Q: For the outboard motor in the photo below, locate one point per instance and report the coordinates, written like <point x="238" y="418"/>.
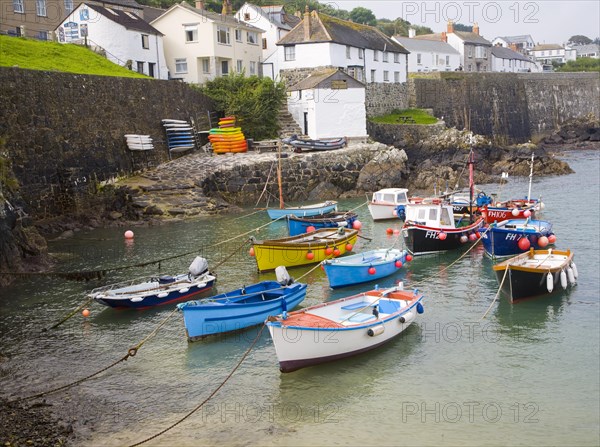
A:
<point x="283" y="277"/>
<point x="198" y="266"/>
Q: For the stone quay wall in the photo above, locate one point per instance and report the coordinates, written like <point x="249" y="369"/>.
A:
<point x="65" y="132"/>
<point x="509" y="107"/>
<point x="402" y="134"/>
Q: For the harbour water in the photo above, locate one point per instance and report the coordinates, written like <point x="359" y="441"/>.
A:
<point x="527" y="374"/>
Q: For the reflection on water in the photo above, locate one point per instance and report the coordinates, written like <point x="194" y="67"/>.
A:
<point x="520" y="354"/>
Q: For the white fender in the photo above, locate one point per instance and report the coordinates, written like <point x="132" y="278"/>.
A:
<point x="563" y="279"/>
<point x="184" y="290"/>
<point x="550" y="282"/>
<point x="574" y="267"/>
<point x="162" y="295"/>
<point x="570" y="276"/>
<point x="376" y="330"/>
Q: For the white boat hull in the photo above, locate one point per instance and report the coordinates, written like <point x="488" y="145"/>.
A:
<point x="382" y="211"/>
<point x="301" y="346"/>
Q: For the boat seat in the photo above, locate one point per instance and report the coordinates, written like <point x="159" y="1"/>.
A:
<point x="388" y="306"/>
<point x="361" y="318"/>
<point x="356" y="306"/>
<point x="371" y="259"/>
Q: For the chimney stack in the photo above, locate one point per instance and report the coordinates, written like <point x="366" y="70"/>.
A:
<point x="200" y="5"/>
<point x="412" y="33"/>
<point x="476" y="28"/>
<point x="444" y="36"/>
<point x="306" y="23"/>
<point x="450" y="28"/>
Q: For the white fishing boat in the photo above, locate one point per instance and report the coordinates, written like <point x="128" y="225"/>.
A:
<point x="384" y="202"/>
<point x="342" y="328"/>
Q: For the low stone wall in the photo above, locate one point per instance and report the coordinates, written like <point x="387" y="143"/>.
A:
<point x="402" y="134"/>
<point x="382" y="98"/>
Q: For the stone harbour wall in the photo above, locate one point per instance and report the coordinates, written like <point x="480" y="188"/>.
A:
<point x="509" y="107"/>
<point x="65" y="132"/>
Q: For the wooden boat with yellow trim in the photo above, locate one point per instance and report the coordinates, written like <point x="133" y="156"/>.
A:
<point x="303" y="249"/>
<point x="536" y="272"/>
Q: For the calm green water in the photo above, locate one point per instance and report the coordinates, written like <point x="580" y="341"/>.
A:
<point x="526" y="375"/>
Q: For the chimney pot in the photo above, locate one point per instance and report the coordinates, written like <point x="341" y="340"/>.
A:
<point x="476" y="28"/>
<point x="444" y="36"/>
<point x="450" y="28"/>
<point x="200" y="4"/>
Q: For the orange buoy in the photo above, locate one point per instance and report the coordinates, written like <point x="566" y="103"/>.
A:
<point x="349" y="247"/>
<point x="310" y="255"/>
<point x="336" y="252"/>
<point x="251" y="251"/>
<point x="357" y="224"/>
<point x="128" y="234"/>
<point x="85" y="312"/>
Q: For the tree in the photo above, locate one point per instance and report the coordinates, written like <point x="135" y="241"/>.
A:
<point x="254" y="101"/>
<point x="581" y="64"/>
<point x="461" y="27"/>
<point x="363" y="15"/>
<point x="579" y="40"/>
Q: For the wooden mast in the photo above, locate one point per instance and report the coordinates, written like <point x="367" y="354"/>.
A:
<point x="279" y="175"/>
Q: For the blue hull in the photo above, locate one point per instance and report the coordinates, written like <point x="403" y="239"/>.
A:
<point x="502" y="241"/>
<point x="275" y="213"/>
<point x="239" y="308"/>
<point x="354" y="269"/>
<point x="299" y="226"/>
<point x="154" y="300"/>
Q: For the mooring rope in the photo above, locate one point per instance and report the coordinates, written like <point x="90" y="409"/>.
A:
<point x="497" y="293"/>
<point x="453" y="262"/>
<point x="210" y="396"/>
<point x="92" y="274"/>
<point x="131" y="352"/>
<point x="69" y="315"/>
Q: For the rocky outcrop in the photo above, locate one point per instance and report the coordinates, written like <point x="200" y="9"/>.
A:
<point x="576" y="131"/>
<point x="22" y="248"/>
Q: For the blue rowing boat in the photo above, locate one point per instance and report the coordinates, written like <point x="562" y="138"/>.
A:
<point x="241" y="308"/>
<point x="515" y="236"/>
<point x="317" y="209"/>
<point x="300" y="225"/>
<point x="364" y="267"/>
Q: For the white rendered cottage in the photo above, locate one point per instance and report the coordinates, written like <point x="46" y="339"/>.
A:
<point x="362" y="51"/>
<point x="507" y="60"/>
<point x="201" y="45"/>
<point x="429" y="55"/>
<point x="329" y="104"/>
<point x="124" y="37"/>
<point x="276" y="23"/>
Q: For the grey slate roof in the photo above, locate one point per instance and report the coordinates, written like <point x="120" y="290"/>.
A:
<point x="320" y="76"/>
<point x="516" y="39"/>
<point x="425" y="45"/>
<point x="590" y="48"/>
<point x="289" y="21"/>
<point x="325" y="28"/>
<point x="132" y="22"/>
<point x="127" y="3"/>
<point x="507" y="53"/>
<point x="469" y="37"/>
<point x="151" y="13"/>
<point x="547" y="46"/>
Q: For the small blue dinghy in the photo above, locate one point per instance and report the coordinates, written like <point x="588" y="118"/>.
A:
<point x="300" y="225"/>
<point x="243" y="307"/>
<point x="364" y="267"/>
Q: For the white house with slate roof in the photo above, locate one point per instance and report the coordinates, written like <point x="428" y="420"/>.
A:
<point x="362" y="51"/>
<point x="429" y="55"/>
<point x="329" y="104"/>
<point x="475" y="51"/>
<point x="201" y="45"/>
<point x="523" y="44"/>
<point x="509" y="61"/>
<point x="275" y="23"/>
<point x="124" y="37"/>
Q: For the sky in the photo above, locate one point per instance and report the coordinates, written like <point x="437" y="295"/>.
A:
<point x="546" y="21"/>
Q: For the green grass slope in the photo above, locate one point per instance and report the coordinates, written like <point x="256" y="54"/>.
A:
<point x="52" y="56"/>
